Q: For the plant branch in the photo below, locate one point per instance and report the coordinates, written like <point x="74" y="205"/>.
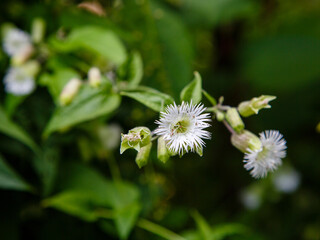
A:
<point x="158" y="230"/>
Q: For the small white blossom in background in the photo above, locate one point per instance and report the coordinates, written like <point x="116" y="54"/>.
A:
<point x="69" y="91"/>
<point x="94" y="76"/>
<point x="286" y="180"/>
<point x="17" y="42"/>
<point x="251" y="198"/>
<point x="182" y="127"/>
<point x="268" y="158"/>
<point x="18" y="82"/>
<point x="110" y="136"/>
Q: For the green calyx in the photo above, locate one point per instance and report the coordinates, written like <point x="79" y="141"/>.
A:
<point x="248" y="108"/>
<point x="136" y="138"/>
<point x="246" y="140"/>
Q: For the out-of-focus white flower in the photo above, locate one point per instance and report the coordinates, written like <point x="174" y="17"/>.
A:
<point x="250" y="198"/>
<point x="268" y="158"/>
<point x="17" y="42"/>
<point x="110" y="136"/>
<point x="18" y="82"/>
<point x="69" y="91"/>
<point x="286" y="180"/>
<point x="182" y="127"/>
<point x="94" y="77"/>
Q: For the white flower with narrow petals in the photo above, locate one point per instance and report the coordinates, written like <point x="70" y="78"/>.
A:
<point x="182" y="127"/>
<point x="16" y="42"/>
<point x="18" y="82"/>
<point x="268" y="158"/>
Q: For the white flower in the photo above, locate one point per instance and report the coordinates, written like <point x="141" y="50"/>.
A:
<point x="18" y="82"/>
<point x="16" y="42"/>
<point x="268" y="158"/>
<point x="182" y="127"/>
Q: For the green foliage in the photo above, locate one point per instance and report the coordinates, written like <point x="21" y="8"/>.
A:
<point x="146" y="51"/>
<point x="9" y="179"/>
<point x="89" y="104"/>
<point x="149" y="97"/>
<point x="87" y="194"/>
<point x="193" y="91"/>
<point x="11" y="129"/>
<point x="99" y="40"/>
<point x="176" y="46"/>
<point x="131" y="70"/>
<point x="56" y="81"/>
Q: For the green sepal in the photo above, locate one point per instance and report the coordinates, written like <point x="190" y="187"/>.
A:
<point x="136" y="138"/>
<point x="163" y="153"/>
<point x="143" y="155"/>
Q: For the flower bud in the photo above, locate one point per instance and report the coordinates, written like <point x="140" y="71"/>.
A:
<point x="143" y="155"/>
<point x="69" y="91"/>
<point x="94" y="77"/>
<point x="248" y="108"/>
<point x="234" y="119"/>
<point x="219" y="115"/>
<point x="38" y="30"/>
<point x="163" y="153"/>
<point x="136" y="138"/>
<point x="246" y="140"/>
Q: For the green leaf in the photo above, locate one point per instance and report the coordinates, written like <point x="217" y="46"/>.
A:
<point x="132" y="70"/>
<point x="193" y="90"/>
<point x="83" y="178"/>
<point x="225" y="230"/>
<point x="12" y="102"/>
<point x="89" y="104"/>
<point x="86" y="194"/>
<point x="11" y="129"/>
<point x="211" y="99"/>
<point x="149" y="97"/>
<point x="125" y="219"/>
<point x="56" y="81"/>
<point x="76" y="203"/>
<point x="96" y="39"/>
<point x="9" y="179"/>
<point x="202" y="225"/>
<point x="175" y="44"/>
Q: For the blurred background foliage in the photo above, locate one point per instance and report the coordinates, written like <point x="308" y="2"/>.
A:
<point x="69" y="184"/>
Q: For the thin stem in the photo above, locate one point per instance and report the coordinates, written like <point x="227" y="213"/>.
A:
<point x="228" y="127"/>
<point x="158" y="230"/>
<point x="114" y="168"/>
<point x="144" y="224"/>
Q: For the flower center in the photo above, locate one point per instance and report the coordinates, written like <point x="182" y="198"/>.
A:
<point x="180" y="126"/>
<point x="263" y="154"/>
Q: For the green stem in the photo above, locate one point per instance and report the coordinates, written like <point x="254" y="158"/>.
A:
<point x="114" y="168"/>
<point x="158" y="230"/>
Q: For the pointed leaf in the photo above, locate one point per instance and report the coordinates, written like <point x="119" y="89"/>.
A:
<point x="99" y="40"/>
<point x="11" y="129"/>
<point x="149" y="97"/>
<point x="9" y="179"/>
<point x="193" y="90"/>
<point x="88" y="104"/>
<point x="125" y="219"/>
<point x="202" y="225"/>
<point x="132" y="70"/>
